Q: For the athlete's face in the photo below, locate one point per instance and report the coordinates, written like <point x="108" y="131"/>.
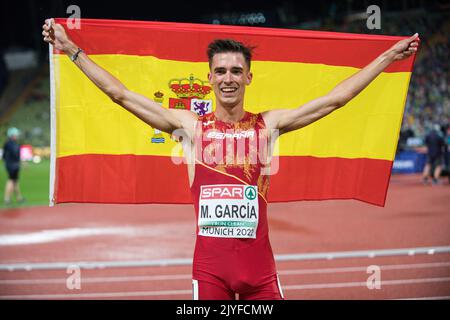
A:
<point x="229" y="74"/>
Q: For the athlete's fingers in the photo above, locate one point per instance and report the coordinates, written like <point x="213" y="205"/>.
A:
<point x="47" y="27"/>
<point x="48" y="23"/>
<point x="414" y="37"/>
<point x="48" y="40"/>
<point x="407" y="54"/>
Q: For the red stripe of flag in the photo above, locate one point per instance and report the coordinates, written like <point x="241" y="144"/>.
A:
<point x="155" y="179"/>
<point x="188" y="42"/>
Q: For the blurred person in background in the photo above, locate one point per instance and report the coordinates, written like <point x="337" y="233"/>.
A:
<point x="11" y="156"/>
<point x="405" y="133"/>
<point x="4" y="75"/>
<point x="435" y="151"/>
<point x="445" y="134"/>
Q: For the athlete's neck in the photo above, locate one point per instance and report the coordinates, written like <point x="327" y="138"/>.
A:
<point x="231" y="115"/>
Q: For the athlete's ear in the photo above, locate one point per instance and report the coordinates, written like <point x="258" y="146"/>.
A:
<point x="249" y="77"/>
<point x="209" y="77"/>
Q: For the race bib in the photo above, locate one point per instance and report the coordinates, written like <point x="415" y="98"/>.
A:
<point x="228" y="211"/>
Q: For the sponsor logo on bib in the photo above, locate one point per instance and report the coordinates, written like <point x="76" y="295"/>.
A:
<point x="228" y="211"/>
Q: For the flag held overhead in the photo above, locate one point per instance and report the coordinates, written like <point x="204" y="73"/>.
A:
<point x="104" y="154"/>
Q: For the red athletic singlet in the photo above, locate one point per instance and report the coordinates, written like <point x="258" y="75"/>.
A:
<point x="232" y="252"/>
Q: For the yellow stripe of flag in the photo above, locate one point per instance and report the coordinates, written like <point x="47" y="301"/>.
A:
<point x="362" y="129"/>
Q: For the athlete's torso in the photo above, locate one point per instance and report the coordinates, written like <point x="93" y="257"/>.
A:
<point x="230" y="199"/>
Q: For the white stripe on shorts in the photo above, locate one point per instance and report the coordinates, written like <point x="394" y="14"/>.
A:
<point x="194" y="289"/>
<point x="279" y="287"/>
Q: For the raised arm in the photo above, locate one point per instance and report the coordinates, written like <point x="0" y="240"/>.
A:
<point x="286" y="120"/>
<point x="147" y="110"/>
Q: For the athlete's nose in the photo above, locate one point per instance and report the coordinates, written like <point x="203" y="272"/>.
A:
<point x="227" y="79"/>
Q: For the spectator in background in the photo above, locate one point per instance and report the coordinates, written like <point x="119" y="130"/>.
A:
<point x="405" y="133"/>
<point x="11" y="156"/>
<point x="3" y="73"/>
<point x="435" y="150"/>
<point x="445" y="134"/>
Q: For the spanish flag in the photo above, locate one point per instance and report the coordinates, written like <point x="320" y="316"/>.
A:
<point x="103" y="154"/>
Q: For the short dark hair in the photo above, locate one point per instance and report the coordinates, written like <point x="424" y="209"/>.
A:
<point x="229" y="45"/>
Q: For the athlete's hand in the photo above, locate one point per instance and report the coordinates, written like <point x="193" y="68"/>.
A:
<point x="56" y="35"/>
<point x="405" y="48"/>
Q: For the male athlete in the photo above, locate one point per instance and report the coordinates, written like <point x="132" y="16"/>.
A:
<point x="232" y="252"/>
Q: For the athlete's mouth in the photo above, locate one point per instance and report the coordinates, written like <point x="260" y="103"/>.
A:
<point x="228" y="89"/>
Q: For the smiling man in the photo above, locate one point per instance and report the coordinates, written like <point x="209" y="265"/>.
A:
<point x="232" y="254"/>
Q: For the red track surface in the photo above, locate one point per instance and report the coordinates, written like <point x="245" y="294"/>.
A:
<point x="414" y="216"/>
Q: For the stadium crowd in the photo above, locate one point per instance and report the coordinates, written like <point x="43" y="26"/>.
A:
<point x="428" y="102"/>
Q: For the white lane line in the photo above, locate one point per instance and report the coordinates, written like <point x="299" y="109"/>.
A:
<point x="101" y="279"/>
<point x="364" y="253"/>
<point x="426" y="298"/>
<point x="99" y="295"/>
<point x="95" y="265"/>
<point x="188" y="262"/>
<point x="362" y="284"/>
<point x="189" y="276"/>
<point x="188" y="292"/>
<point x="46" y="236"/>
<point x="364" y="268"/>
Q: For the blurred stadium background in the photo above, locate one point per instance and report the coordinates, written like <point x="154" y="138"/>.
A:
<point x="24" y="83"/>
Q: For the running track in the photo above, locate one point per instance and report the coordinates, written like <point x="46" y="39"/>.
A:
<point x="323" y="248"/>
